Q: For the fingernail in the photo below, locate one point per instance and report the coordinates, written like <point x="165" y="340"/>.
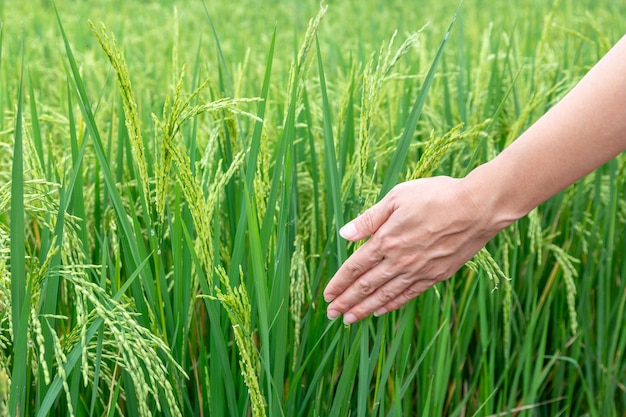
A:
<point x="348" y="231"/>
<point x="380" y="312"/>
<point x="332" y="314"/>
<point x="349" y="318"/>
<point x="329" y="297"/>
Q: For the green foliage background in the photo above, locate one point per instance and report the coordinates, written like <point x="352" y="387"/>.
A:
<point x="168" y="222"/>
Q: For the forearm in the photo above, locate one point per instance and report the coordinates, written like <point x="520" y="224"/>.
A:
<point x="583" y="131"/>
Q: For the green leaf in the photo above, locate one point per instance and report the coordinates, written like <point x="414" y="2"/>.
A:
<point x="20" y="289"/>
<point x="333" y="181"/>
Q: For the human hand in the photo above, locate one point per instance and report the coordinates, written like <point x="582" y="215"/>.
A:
<point x="420" y="233"/>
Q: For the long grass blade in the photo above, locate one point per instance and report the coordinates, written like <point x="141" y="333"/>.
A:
<point x="20" y="288"/>
<point x="333" y="181"/>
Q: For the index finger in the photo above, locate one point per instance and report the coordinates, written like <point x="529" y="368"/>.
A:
<point x="361" y="261"/>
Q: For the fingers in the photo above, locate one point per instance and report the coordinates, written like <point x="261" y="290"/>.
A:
<point x="368" y="255"/>
<point x="361" y="261"/>
<point x="366" y="284"/>
<point x="407" y="295"/>
<point x="386" y="298"/>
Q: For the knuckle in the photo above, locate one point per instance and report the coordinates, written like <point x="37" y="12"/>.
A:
<point x="388" y="274"/>
<point x="407" y="295"/>
<point x="354" y="269"/>
<point x="411" y="293"/>
<point x="386" y="295"/>
<point x="364" y="286"/>
<point x="407" y="280"/>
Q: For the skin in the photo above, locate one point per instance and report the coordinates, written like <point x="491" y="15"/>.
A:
<point x="423" y="231"/>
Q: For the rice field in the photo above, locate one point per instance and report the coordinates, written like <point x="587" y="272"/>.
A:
<point x="173" y="176"/>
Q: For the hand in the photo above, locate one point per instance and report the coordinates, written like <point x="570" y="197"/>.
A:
<point x="421" y="233"/>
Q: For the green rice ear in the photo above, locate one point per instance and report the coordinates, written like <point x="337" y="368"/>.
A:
<point x="235" y="302"/>
<point x="109" y="45"/>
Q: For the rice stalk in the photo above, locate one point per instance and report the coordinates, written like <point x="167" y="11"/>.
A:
<point x="437" y="147"/>
<point x="39" y="211"/>
<point x="140" y="352"/>
<point x="299" y="285"/>
<point x="31" y="160"/>
<point x="168" y="126"/>
<point x="109" y="45"/>
<point x="375" y="74"/>
<point x="239" y="310"/>
<point x="535" y="234"/>
<point x="262" y="176"/>
<point x="507" y="302"/>
<point x="5" y="383"/>
<point x="479" y="93"/>
<point x="296" y="74"/>
<point x="176" y="113"/>
<point x="567" y="261"/>
<point x="40" y="272"/>
<point x="533" y="104"/>
<point x="175" y="44"/>
<point x="483" y="261"/>
<point x="202" y="208"/>
<point x="60" y="358"/>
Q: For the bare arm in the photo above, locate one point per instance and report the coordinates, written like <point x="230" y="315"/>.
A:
<point x="423" y="231"/>
<point x="583" y="131"/>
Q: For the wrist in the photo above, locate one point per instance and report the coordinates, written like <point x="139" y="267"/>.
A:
<point x="495" y="197"/>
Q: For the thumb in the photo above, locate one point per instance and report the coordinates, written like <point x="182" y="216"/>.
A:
<point x="367" y="223"/>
